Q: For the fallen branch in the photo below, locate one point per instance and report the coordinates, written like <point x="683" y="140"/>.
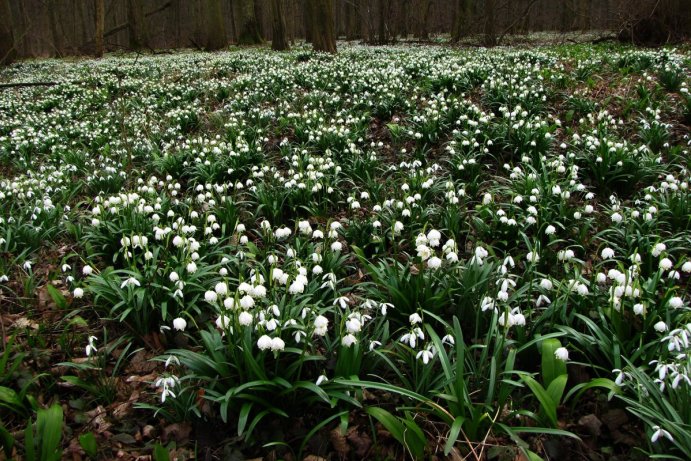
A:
<point x="26" y="84"/>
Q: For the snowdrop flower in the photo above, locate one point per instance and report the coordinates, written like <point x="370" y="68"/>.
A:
<point x="191" y="267"/>
<point x="414" y="318"/>
<point x="659" y="432"/>
<point x="221" y="288"/>
<point x="434" y="263"/>
<point x="130" y="282"/>
<point x="665" y="264"/>
<point x="660" y="327"/>
<point x="321" y="379"/>
<point x="348" y="340"/>
<point x="91" y="348"/>
<point x="397" y="227"/>
<point x="321" y="325"/>
<point x="210" y="297"/>
<point x="78" y="293"/>
<point x="550" y="230"/>
<point x="4" y="278"/>
<point x="425" y="355"/>
<point x="532" y="257"/>
<point x="607" y="253"/>
<point x="87" y="270"/>
<point x="179" y="324"/>
<point x="264" y="342"/>
<point x="277" y="344"/>
<point x="676" y="302"/>
<point x="336" y="246"/>
<point x="546" y="284"/>
<point x="27" y="265"/>
<point x="658" y="248"/>
<point x="686" y="267"/>
<point x="296" y="287"/>
<point x="562" y="354"/>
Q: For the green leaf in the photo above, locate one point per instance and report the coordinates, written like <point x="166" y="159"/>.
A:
<point x="49" y="424"/>
<point x="56" y="296"/>
<point x="404" y="431"/>
<point x="552" y="367"/>
<point x="547" y="405"/>
<point x="161" y="453"/>
<point x="453" y="434"/>
<point x="88" y="443"/>
<point x="7" y="441"/>
<point x="242" y="418"/>
<point x="556" y="388"/>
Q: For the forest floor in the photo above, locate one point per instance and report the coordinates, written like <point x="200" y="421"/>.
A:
<point x="394" y="252"/>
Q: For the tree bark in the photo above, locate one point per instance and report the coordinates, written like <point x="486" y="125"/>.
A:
<point x="8" y="53"/>
<point x="216" y="31"/>
<point x="249" y="26"/>
<point x="100" y="21"/>
<point x="322" y="25"/>
<point x="137" y="29"/>
<point x="279" y="39"/>
<point x="490" y="23"/>
<point x="382" y="21"/>
<point x="461" y="20"/>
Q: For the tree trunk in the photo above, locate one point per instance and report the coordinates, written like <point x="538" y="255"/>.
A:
<point x="422" y="31"/>
<point x="490" y="24"/>
<point x="216" y="31"/>
<point x="100" y="20"/>
<point x="322" y="25"/>
<point x="248" y="24"/>
<point x="279" y="39"/>
<point x="8" y="53"/>
<point x="135" y="25"/>
<point x="56" y="32"/>
<point x="461" y="20"/>
<point x="382" y="21"/>
<point x="259" y="15"/>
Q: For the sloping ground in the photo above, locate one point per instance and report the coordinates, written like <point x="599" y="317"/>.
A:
<point x="393" y="252"/>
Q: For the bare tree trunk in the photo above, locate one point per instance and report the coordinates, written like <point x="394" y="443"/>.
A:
<point x="56" y="32"/>
<point x="8" y="53"/>
<point x="248" y="24"/>
<point x="100" y="21"/>
<point x="216" y="30"/>
<point x="382" y="21"/>
<point x="135" y="25"/>
<point x="322" y="25"/>
<point x="461" y="20"/>
<point x="490" y="23"/>
<point x="258" y="16"/>
<point x="279" y="39"/>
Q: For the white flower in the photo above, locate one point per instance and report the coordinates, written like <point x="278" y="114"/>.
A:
<point x="296" y="287"/>
<point x="246" y="302"/>
<point x="78" y="293"/>
<point x="245" y="318"/>
<point x="686" y="267"/>
<point x="222" y="322"/>
<point x="321" y="325"/>
<point x="180" y="324"/>
<point x="336" y="246"/>
<point x="550" y="230"/>
<point x="665" y="264"/>
<point x="414" y="318"/>
<point x="660" y="432"/>
<point x="434" y="263"/>
<point x="353" y="325"/>
<point x="660" y="327"/>
<point x="87" y="270"/>
<point x="277" y="344"/>
<point x="174" y="277"/>
<point x="658" y="249"/>
<point x="425" y="355"/>
<point x="210" y="296"/>
<point x="607" y="253"/>
<point x="676" y="302"/>
<point x="546" y="284"/>
<point x="264" y="343"/>
<point x="221" y="288"/>
<point x="348" y="340"/>
<point x="321" y="379"/>
<point x="532" y="257"/>
<point x="130" y="282"/>
<point x="398" y="227"/>
<point x="562" y="354"/>
<point x="191" y="267"/>
<point x="90" y="348"/>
